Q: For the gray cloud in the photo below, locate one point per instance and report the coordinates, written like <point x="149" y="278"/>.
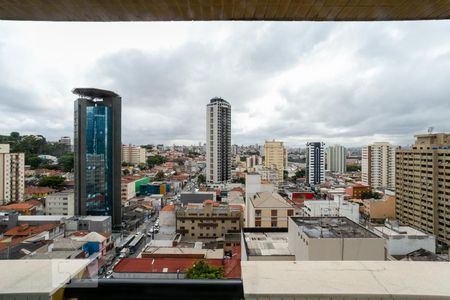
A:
<point x="340" y="82"/>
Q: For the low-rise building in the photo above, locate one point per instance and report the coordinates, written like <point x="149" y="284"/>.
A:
<point x="268" y="209"/>
<point x="401" y="240"/>
<point x="167" y="216"/>
<point x="380" y="209"/>
<point x="60" y="203"/>
<point x="331" y="208"/>
<point x="265" y="244"/>
<point x="357" y="191"/>
<point x="333" y="238"/>
<point x="208" y="220"/>
<point x="197" y="197"/>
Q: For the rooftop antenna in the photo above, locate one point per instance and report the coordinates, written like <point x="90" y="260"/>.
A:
<point x="430" y="129"/>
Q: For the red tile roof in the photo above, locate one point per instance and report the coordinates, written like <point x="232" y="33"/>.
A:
<point x="232" y="267"/>
<point x="17" y="206"/>
<point x="170" y="207"/>
<point x="157" y="265"/>
<point x="38" y="190"/>
<point x="26" y="230"/>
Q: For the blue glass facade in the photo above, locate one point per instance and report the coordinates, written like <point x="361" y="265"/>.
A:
<point x="98" y="160"/>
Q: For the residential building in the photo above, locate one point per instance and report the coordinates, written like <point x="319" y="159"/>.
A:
<point x="336" y="156"/>
<point x="356" y="191"/>
<point x="97" y="153"/>
<point x="402" y="240"/>
<point x="315" y="163"/>
<point x="22" y="208"/>
<point x="253" y="160"/>
<point x="218" y="140"/>
<point x="61" y="203"/>
<point x="196" y="197"/>
<point x="131" y="186"/>
<point x="133" y="154"/>
<point x="378" y="165"/>
<point x="337" y="207"/>
<point x="332" y="238"/>
<point x="65" y="140"/>
<point x="422" y="191"/>
<point x="12" y="175"/>
<point x="38" y="192"/>
<point x="380" y="209"/>
<point x="268" y="209"/>
<point x="208" y="220"/>
<point x="275" y="157"/>
<point x="167" y="216"/>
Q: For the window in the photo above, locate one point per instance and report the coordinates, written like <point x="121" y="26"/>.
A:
<point x="290" y="212"/>
<point x="274" y="212"/>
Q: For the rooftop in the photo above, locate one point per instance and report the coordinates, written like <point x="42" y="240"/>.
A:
<point x="174" y="252"/>
<point x="94" y="93"/>
<point x="337" y="279"/>
<point x="44" y="276"/>
<point x="266" y="243"/>
<point x="332" y="227"/>
<point x="400" y="231"/>
<point x="269" y="200"/>
<point x="159" y="265"/>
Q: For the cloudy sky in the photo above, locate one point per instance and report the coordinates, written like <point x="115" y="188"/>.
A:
<point x="348" y="83"/>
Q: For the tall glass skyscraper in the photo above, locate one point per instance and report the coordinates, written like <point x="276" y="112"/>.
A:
<point x="97" y="143"/>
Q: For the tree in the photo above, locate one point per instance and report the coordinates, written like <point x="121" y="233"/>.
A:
<point x="159" y="176"/>
<point x="201" y="179"/>
<point x="33" y="161"/>
<point x="66" y="162"/>
<point x="52" y="181"/>
<point x="370" y="195"/>
<point x="201" y="270"/>
<point x="155" y="160"/>
<point x="353" y="168"/>
<point x="300" y="173"/>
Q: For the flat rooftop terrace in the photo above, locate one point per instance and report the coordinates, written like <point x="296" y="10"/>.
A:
<point x="332" y="227"/>
<point x="345" y="280"/>
<point x="266" y="243"/>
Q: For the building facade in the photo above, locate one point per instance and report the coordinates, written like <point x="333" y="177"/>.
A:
<point x="333" y="238"/>
<point x="336" y="159"/>
<point x="422" y="188"/>
<point x="133" y="154"/>
<point x="12" y="175"/>
<point x="97" y="153"/>
<point x="275" y="156"/>
<point x="61" y="203"/>
<point x="268" y="209"/>
<point x="378" y="165"/>
<point x="208" y="220"/>
<point x="315" y="163"/>
<point x="218" y="140"/>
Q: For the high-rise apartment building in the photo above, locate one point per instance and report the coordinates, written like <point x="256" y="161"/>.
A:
<point x="218" y="140"/>
<point x="65" y="140"/>
<point x="336" y="158"/>
<point x="12" y="175"/>
<point x="275" y="156"/>
<point x="315" y="163"/>
<point x="378" y="165"/>
<point x="133" y="154"/>
<point x="422" y="185"/>
<point x="97" y="153"/>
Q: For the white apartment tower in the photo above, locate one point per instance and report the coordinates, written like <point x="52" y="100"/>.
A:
<point x="315" y="163"/>
<point x="378" y="165"/>
<point x="275" y="156"/>
<point x="133" y="154"/>
<point x="61" y="203"/>
<point x="12" y="175"/>
<point x="336" y="159"/>
<point x="218" y="140"/>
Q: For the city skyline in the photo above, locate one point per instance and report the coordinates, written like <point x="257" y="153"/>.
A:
<point x="333" y="82"/>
